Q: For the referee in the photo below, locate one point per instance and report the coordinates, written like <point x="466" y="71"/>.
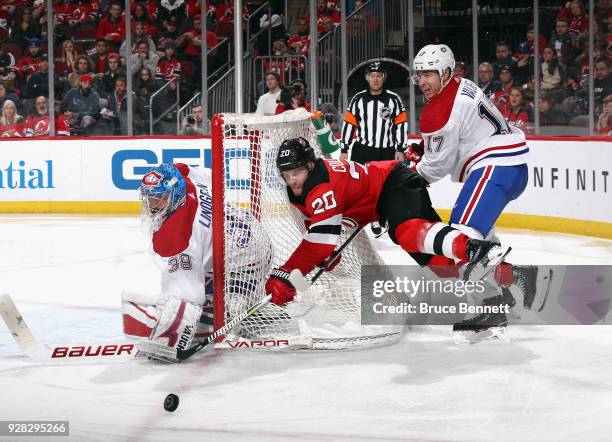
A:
<point x="375" y="124"/>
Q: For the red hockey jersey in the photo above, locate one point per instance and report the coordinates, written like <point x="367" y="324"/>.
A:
<point x="336" y="192"/>
<point x="38" y="126"/>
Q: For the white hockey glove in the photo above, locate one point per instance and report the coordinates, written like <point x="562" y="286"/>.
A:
<point x="175" y="330"/>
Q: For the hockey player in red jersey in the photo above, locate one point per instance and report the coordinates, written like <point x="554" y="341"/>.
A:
<point x="465" y="136"/>
<point x="177" y="210"/>
<point x="328" y="192"/>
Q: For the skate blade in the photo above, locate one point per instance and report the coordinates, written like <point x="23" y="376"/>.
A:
<point x="153" y="350"/>
<point x="491" y="334"/>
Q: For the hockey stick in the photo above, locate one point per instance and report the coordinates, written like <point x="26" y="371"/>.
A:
<point x="298" y="280"/>
<point x="43" y="353"/>
<point x="181" y="355"/>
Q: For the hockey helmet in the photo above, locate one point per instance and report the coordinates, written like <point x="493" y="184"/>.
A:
<point x="294" y="153"/>
<point x="433" y="58"/>
<point x="376" y="66"/>
<point x="162" y="191"/>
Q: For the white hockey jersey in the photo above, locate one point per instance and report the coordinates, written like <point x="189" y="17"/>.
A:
<point x="463" y="131"/>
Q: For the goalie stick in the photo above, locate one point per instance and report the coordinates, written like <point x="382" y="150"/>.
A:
<point x="298" y="280"/>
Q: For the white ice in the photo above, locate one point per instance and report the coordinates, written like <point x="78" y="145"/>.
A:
<point x="66" y="273"/>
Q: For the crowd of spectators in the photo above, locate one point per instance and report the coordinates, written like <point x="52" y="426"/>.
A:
<point x="91" y="52"/>
<point x="563" y="71"/>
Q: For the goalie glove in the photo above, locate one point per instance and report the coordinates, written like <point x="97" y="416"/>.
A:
<point x="279" y="286"/>
<point x="415" y="152"/>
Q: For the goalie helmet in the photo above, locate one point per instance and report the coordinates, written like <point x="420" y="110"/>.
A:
<point x="162" y="191"/>
<point x="294" y="153"/>
<point x="434" y="58"/>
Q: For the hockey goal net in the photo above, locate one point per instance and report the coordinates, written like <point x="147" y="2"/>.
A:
<point x="327" y="316"/>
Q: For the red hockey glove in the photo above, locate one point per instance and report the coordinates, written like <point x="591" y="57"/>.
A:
<point x="332" y="265"/>
<point x="415" y="152"/>
<point x="279" y="286"/>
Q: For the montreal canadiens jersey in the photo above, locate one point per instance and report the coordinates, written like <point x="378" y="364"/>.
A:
<point x="182" y="247"/>
<point x="335" y="193"/>
<point x="463" y="131"/>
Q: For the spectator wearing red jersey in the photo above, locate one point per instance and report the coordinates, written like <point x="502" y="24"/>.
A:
<point x="530" y="39"/>
<point x="515" y="112"/>
<point x="112" y="28"/>
<point x="300" y="42"/>
<point x="141" y="14"/>
<point x="169" y="67"/>
<point x="224" y="12"/>
<point x="362" y="22"/>
<point x="500" y="97"/>
<point x="12" y="125"/>
<point x="37" y="124"/>
<point x="578" y="19"/>
<point x="72" y="14"/>
<point x="28" y="64"/>
<point x="150" y="6"/>
<point x="66" y="61"/>
<point x="286" y="67"/>
<point x="191" y="41"/>
<point x="324" y="12"/>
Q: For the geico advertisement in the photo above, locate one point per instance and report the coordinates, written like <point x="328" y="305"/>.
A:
<point x="88" y="170"/>
<point x="567" y="179"/>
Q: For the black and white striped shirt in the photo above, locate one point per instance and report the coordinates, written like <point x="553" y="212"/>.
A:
<point x="377" y="121"/>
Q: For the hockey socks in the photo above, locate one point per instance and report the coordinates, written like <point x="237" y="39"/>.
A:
<point x="434" y="238"/>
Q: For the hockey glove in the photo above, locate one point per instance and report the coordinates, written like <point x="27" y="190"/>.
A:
<point x="279" y="287"/>
<point x="415" y="152"/>
<point x="332" y="265"/>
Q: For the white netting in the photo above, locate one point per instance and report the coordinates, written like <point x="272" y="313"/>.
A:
<point x="329" y="313"/>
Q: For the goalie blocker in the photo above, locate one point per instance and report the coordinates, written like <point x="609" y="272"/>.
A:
<point x="329" y="193"/>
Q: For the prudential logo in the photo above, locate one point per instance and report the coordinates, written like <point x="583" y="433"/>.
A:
<point x="19" y="175"/>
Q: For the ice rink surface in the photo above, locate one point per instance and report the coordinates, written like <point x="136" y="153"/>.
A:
<point x="66" y="274"/>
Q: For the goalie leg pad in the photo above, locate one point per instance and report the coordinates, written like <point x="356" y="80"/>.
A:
<point x="175" y="330"/>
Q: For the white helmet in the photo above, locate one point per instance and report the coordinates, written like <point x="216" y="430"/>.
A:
<point x="433" y="58"/>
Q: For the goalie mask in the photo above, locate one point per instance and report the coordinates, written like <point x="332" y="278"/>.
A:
<point x="162" y="191"/>
<point x="294" y="153"/>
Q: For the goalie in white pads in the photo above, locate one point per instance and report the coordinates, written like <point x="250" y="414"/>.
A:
<point x="177" y="210"/>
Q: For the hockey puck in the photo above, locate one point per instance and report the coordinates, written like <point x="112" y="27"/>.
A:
<point x="171" y="402"/>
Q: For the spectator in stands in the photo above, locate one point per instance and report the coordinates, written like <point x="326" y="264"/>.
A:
<point x="141" y="15"/>
<point x="292" y="97"/>
<point x="107" y="85"/>
<point x="26" y="29"/>
<point x="66" y="61"/>
<point x="169" y="31"/>
<point x="549" y="116"/>
<point x="28" y="64"/>
<point x="112" y="28"/>
<point x="38" y="83"/>
<point x="515" y="112"/>
<point x="277" y="32"/>
<point x="553" y="75"/>
<point x="224" y="12"/>
<point x="191" y="41"/>
<point x="115" y="110"/>
<point x="7" y="60"/>
<point x="37" y="124"/>
<point x="503" y="57"/>
<point x="171" y="8"/>
<point x="144" y="86"/>
<point x="460" y="69"/>
<point x="81" y="105"/>
<point x="11" y="123"/>
<point x="267" y="103"/>
<point x="10" y="83"/>
<point x="531" y="39"/>
<point x="500" y="97"/>
<point x="602" y="84"/>
<point x="139" y="34"/>
<point x="99" y="57"/>
<point x="143" y="58"/>
<point x="193" y="124"/>
<point x="524" y="66"/>
<point x="574" y="12"/>
<point x="72" y="14"/>
<point x="604" y="122"/>
<point x="8" y="94"/>
<point x="362" y="22"/>
<point x="300" y="42"/>
<point x="327" y="25"/>
<point x="563" y="43"/>
<point x="83" y="66"/>
<point x="151" y="6"/>
<point x="324" y="12"/>
<point x="169" y="67"/>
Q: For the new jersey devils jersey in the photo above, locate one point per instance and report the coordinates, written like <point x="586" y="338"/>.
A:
<point x="464" y="131"/>
<point x="336" y="192"/>
<point x="38" y="126"/>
